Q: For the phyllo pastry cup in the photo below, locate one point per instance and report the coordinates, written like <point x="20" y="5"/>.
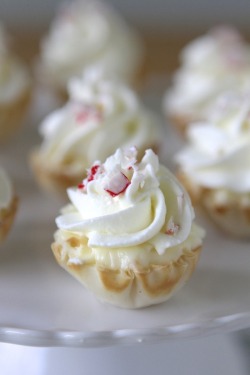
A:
<point x="128" y="234"/>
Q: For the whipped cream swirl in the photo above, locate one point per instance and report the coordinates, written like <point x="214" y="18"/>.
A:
<point x="90" y="33"/>
<point x="124" y="203"/>
<point x="211" y="64"/>
<point x="218" y="151"/>
<point x="100" y="116"/>
<point x="6" y="190"/>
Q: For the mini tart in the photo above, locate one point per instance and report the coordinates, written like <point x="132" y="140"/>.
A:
<point x="129" y="234"/>
<point x="7" y="216"/>
<point x="229" y="210"/>
<point x="135" y="286"/>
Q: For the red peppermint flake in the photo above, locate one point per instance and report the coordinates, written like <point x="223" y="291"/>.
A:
<point x="81" y="186"/>
<point x="92" y="172"/>
<point x="90" y="176"/>
<point x="117" y="184"/>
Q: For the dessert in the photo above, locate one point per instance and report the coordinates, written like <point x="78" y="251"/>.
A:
<point x="210" y="65"/>
<point x="128" y="234"/>
<point x="8" y="205"/>
<point x="15" y="88"/>
<point x="101" y="115"/>
<point x="215" y="165"/>
<point x="89" y="33"/>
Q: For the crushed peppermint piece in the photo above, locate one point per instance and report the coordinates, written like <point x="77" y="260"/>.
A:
<point x="93" y="170"/>
<point x="117" y="184"/>
<point x="91" y="174"/>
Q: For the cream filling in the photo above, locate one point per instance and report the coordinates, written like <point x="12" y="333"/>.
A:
<point x="133" y="257"/>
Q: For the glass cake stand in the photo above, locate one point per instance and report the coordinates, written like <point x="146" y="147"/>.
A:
<point x="41" y="305"/>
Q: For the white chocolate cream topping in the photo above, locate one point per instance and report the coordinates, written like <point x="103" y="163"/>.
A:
<point x="100" y="116"/>
<point x="126" y="206"/>
<point x="211" y="64"/>
<point x="6" y="190"/>
<point x="90" y="33"/>
<point x="218" y="150"/>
